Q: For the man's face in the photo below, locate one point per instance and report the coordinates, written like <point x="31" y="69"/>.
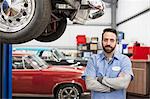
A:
<point x="109" y="42"/>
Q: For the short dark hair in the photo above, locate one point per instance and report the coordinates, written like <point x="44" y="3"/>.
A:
<point x="110" y="30"/>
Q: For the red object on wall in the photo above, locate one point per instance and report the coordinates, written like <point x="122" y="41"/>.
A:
<point x="81" y="39"/>
<point x="139" y="52"/>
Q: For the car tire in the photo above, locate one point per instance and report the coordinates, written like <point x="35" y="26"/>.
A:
<point x="64" y="91"/>
<point x="52" y="36"/>
<point x="28" y="23"/>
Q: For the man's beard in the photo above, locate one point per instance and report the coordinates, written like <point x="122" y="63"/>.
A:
<point x="108" y="48"/>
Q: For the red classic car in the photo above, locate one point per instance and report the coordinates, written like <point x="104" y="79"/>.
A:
<point x="33" y="76"/>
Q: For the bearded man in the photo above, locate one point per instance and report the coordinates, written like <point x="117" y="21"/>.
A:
<point x="108" y="73"/>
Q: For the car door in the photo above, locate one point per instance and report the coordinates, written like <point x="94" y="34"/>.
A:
<point x="26" y="79"/>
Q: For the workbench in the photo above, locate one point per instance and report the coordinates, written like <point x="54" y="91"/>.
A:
<point x="141" y="82"/>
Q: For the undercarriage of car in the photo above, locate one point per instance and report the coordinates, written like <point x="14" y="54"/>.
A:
<point x="43" y="20"/>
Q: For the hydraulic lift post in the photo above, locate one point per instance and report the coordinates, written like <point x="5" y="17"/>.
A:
<point x="5" y="71"/>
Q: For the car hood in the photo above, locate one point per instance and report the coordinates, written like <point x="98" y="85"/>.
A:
<point x="79" y="69"/>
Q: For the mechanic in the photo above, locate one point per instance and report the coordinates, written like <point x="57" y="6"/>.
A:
<point x="108" y="73"/>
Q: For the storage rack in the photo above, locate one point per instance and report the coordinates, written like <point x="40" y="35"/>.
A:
<point x="86" y="46"/>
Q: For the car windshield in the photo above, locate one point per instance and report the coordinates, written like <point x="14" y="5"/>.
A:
<point x="39" y="61"/>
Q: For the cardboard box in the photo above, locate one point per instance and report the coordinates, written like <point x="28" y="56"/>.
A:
<point x="93" y="46"/>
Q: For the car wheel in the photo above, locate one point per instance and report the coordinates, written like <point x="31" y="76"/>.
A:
<point x="23" y="20"/>
<point x="51" y="35"/>
<point x="68" y="92"/>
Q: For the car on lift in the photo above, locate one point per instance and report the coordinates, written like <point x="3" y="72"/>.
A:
<point x="33" y="76"/>
<point x="43" y="20"/>
<point x="52" y="56"/>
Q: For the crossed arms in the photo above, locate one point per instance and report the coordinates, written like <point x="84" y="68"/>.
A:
<point x="105" y="84"/>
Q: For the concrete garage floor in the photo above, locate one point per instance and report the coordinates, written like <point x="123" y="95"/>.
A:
<point x="129" y="96"/>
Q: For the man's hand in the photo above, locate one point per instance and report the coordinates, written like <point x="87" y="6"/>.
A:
<point x="99" y="79"/>
<point x="94" y="85"/>
<point x="122" y="74"/>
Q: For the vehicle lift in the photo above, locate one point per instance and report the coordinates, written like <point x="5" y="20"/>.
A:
<point x="5" y="71"/>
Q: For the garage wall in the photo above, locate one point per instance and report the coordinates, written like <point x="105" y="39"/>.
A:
<point x="137" y="29"/>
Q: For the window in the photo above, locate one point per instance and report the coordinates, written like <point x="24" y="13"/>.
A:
<point x="17" y="62"/>
<point x="48" y="56"/>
